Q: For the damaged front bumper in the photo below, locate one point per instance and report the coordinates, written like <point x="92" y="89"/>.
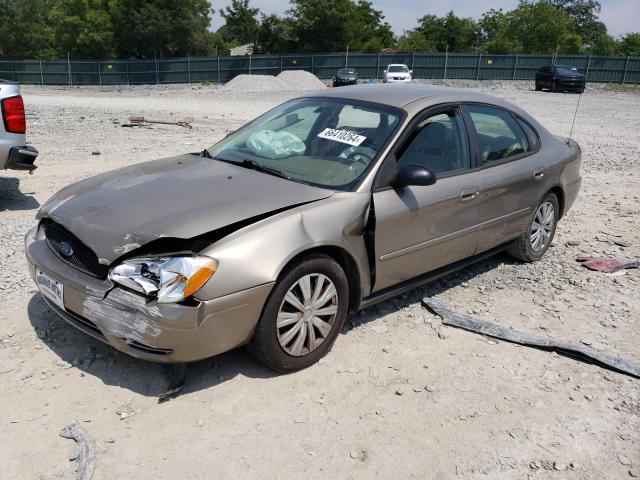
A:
<point x="141" y="327"/>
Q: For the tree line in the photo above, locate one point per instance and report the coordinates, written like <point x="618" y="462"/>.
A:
<point x="105" y="29"/>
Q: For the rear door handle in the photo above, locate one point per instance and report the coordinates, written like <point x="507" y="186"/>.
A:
<point x="468" y="194"/>
<point x="538" y="174"/>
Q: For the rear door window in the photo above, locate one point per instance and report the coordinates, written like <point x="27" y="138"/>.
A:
<point x="499" y="135"/>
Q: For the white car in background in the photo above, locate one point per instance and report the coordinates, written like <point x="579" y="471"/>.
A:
<point x="15" y="154"/>
<point x="397" y="73"/>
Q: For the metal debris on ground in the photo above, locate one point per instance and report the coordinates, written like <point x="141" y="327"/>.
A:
<point x="607" y="265"/>
<point x="183" y="122"/>
<point x="177" y="377"/>
<point x="83" y="453"/>
<point x="455" y="319"/>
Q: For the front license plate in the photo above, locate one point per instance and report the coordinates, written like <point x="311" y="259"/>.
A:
<point x="50" y="287"/>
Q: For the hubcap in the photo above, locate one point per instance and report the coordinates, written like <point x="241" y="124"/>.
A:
<point x="307" y="314"/>
<point x="542" y="226"/>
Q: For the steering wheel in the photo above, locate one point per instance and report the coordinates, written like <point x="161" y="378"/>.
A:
<point x="353" y="155"/>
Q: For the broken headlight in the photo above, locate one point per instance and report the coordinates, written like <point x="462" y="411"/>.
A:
<point x="170" y="279"/>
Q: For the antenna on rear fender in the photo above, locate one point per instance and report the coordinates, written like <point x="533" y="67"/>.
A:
<point x="575" y="114"/>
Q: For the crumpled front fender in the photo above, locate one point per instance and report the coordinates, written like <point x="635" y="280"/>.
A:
<point x="256" y="254"/>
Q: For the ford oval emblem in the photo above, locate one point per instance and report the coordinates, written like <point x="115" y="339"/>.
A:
<point x="65" y="249"/>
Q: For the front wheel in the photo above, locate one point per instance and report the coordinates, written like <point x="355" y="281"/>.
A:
<point x="534" y="243"/>
<point x="538" y="87"/>
<point x="303" y="315"/>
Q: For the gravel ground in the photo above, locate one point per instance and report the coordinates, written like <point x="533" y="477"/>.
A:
<point x="400" y="395"/>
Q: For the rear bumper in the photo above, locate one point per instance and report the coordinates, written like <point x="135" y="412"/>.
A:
<point x="141" y="327"/>
<point x="22" y="158"/>
<point x="571" y="193"/>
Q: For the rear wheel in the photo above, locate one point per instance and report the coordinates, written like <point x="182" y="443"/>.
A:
<point x="534" y="243"/>
<point x="538" y="87"/>
<point x="554" y="86"/>
<point x="303" y="315"/>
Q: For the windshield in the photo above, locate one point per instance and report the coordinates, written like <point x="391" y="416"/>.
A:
<point x="320" y="141"/>
<point x="398" y="68"/>
<point x="567" y="70"/>
<point x="346" y="71"/>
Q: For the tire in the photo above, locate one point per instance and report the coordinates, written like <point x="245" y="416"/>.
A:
<point x="522" y="248"/>
<point x="554" y="86"/>
<point x="538" y="87"/>
<point x="279" y="348"/>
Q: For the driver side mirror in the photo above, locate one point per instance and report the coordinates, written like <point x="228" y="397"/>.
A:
<point x="414" y="175"/>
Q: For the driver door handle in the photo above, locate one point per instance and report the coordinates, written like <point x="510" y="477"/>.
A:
<point x="468" y="194"/>
<point x="538" y="174"/>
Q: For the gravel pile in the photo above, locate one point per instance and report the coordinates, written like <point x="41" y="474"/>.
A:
<point x="300" y="80"/>
<point x="254" y="83"/>
<point x="290" y="80"/>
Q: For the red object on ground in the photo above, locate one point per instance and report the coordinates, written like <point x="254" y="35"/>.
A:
<point x="607" y="265"/>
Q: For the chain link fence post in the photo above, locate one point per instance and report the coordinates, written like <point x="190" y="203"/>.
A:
<point x="312" y="64"/>
<point x="41" y="74"/>
<point x="188" y="70"/>
<point x="515" y="67"/>
<point x="218" y="59"/>
<point x="446" y="62"/>
<point x="377" y="65"/>
<point x="13" y="71"/>
<point x="99" y="73"/>
<point x="69" y="68"/>
<point x="128" y="81"/>
<point x="626" y="67"/>
<point x="586" y="74"/>
<point x="478" y="68"/>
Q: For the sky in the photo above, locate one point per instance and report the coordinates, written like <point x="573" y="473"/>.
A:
<point x="620" y="16"/>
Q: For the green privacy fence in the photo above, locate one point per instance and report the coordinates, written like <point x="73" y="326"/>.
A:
<point x="478" y="66"/>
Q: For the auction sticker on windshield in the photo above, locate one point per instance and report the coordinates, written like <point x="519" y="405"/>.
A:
<point x="343" y="136"/>
<point x="50" y="287"/>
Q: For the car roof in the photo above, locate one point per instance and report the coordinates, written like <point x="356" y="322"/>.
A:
<point x="397" y="65"/>
<point x="401" y="95"/>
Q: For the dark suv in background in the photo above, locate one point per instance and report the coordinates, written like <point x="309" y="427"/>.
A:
<point x="560" y="78"/>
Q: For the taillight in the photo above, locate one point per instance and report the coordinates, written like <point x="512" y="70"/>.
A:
<point x="13" y="115"/>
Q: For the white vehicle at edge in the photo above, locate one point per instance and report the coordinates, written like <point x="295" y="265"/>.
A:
<point x="397" y="73"/>
<point x="15" y="154"/>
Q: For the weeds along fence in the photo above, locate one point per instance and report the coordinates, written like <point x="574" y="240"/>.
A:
<point x="477" y="66"/>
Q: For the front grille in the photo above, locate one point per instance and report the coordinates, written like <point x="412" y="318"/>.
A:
<point x="82" y="257"/>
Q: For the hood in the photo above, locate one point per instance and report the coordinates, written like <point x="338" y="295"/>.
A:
<point x="179" y="197"/>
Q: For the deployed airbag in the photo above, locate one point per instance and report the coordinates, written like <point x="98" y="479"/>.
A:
<point x="270" y="144"/>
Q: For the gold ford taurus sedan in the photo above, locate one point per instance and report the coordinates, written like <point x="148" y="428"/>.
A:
<point x="320" y="207"/>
